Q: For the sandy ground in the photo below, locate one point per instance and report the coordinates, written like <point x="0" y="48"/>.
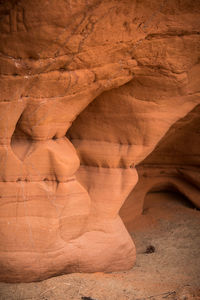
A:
<point x="170" y="271"/>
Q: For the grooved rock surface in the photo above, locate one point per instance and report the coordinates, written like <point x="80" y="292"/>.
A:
<point x="174" y="165"/>
<point x="88" y="89"/>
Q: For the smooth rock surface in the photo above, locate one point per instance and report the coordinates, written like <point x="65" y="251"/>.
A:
<point x="137" y="63"/>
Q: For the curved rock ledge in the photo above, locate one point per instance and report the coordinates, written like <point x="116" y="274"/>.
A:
<point x="91" y="83"/>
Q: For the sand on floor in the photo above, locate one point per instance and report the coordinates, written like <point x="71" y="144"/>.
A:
<point x="167" y="238"/>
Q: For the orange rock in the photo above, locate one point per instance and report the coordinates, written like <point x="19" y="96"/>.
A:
<point x="138" y="66"/>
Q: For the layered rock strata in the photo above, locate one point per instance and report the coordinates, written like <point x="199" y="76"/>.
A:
<point x="138" y="63"/>
<point x="174" y="166"/>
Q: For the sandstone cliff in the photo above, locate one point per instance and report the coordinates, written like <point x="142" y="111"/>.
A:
<point x="91" y="83"/>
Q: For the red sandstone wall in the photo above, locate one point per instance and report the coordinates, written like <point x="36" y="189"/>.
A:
<point x="137" y="63"/>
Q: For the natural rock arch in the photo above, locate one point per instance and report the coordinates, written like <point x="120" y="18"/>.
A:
<point x="171" y="189"/>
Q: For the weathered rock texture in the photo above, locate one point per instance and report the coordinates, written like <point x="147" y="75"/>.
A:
<point x="138" y="61"/>
<point x="174" y="166"/>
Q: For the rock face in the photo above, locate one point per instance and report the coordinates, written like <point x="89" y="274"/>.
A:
<point x="173" y="166"/>
<point x="67" y="166"/>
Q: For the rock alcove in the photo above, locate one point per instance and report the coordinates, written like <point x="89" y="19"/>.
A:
<point x="113" y="77"/>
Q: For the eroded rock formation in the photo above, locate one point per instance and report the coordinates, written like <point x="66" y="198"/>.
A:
<point x="173" y="166"/>
<point x="138" y="63"/>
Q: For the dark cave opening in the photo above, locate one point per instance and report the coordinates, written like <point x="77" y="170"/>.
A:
<point x="172" y="195"/>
